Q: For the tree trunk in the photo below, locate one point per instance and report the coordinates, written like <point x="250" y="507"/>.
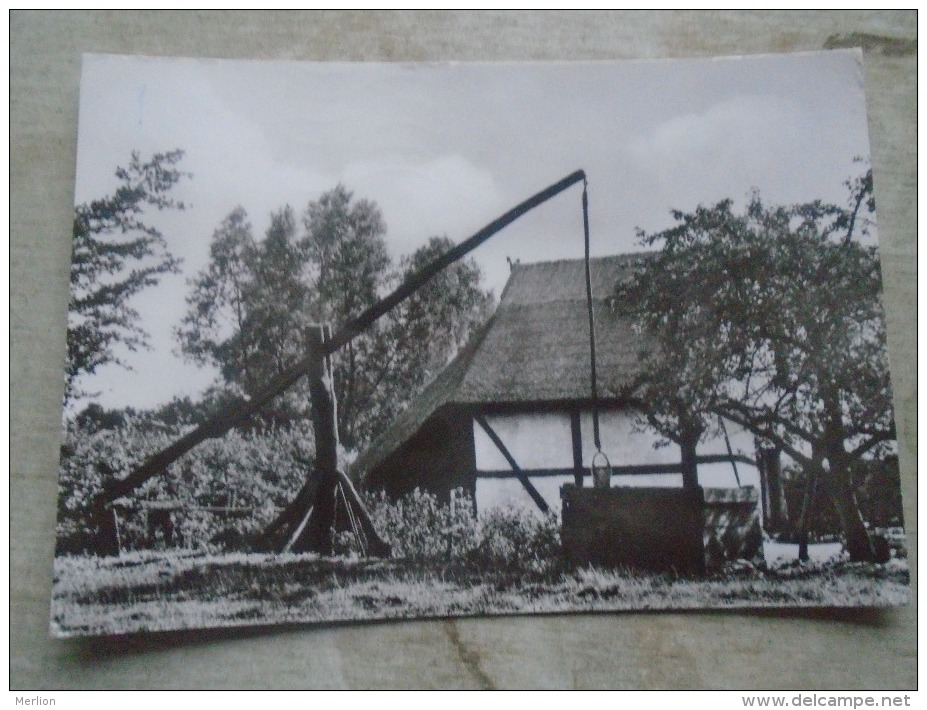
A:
<point x="689" y="433"/>
<point x="835" y="476"/>
<point x="809" y="501"/>
<point x="688" y="442"/>
<point x="836" y="479"/>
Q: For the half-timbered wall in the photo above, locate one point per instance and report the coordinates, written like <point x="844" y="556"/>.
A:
<point x="543" y="442"/>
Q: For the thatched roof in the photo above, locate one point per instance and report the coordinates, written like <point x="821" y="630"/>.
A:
<point x="533" y="351"/>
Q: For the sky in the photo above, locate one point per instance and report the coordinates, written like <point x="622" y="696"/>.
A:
<point x="443" y="149"/>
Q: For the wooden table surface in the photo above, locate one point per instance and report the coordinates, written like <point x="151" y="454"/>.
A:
<point x="789" y="650"/>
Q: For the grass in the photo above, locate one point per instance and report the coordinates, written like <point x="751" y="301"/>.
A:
<point x="159" y="591"/>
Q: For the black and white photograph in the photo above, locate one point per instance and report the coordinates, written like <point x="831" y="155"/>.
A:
<point x="368" y="341"/>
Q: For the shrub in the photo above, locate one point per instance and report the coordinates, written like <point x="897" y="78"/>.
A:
<point x="255" y="472"/>
<point x="420" y="527"/>
<point x="517" y="540"/>
<point x="89" y="456"/>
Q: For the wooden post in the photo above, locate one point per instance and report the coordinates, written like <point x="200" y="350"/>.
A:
<point x="318" y="534"/>
<point x="377" y="546"/>
<point x="307" y="523"/>
<point x="687" y="447"/>
<point x="116" y="528"/>
<point x="577" y="434"/>
<point x="324" y="409"/>
<point x="287" y="527"/>
<point x="106" y="535"/>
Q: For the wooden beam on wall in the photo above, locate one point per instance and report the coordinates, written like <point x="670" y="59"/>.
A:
<point x="577" y="435"/>
<point x="525" y="481"/>
<point x="631" y="470"/>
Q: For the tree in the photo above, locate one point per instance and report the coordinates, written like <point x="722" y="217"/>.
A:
<point x="442" y="316"/>
<point x="428" y="329"/>
<point x="349" y="269"/>
<point x="771" y="319"/>
<point x="116" y="255"/>
<point x="214" y="332"/>
<point x="346" y="249"/>
<point x="418" y="338"/>
<point x="378" y="372"/>
<point x="280" y="301"/>
<point x="250" y="308"/>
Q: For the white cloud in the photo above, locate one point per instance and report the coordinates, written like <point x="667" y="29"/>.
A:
<point x="422" y="198"/>
<point x="445" y="149"/>
<point x="734" y="145"/>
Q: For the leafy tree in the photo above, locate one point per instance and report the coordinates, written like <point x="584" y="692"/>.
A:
<point x="250" y="308"/>
<point x="397" y="357"/>
<point x="771" y="319"/>
<point x="427" y="330"/>
<point x="280" y="302"/>
<point x="346" y="250"/>
<point x="442" y="316"/>
<point x="350" y="268"/>
<point x="214" y="330"/>
<point x="116" y="255"/>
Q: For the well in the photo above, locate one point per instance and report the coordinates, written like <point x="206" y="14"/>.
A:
<point x="684" y="530"/>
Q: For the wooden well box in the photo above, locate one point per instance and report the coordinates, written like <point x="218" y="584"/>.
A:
<point x="686" y="530"/>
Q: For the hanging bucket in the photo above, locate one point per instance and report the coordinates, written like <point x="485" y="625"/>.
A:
<point x="601" y="471"/>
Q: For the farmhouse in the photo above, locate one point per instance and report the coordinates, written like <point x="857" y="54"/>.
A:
<point x="513" y="411"/>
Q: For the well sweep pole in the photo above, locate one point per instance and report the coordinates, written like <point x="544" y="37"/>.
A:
<point x="238" y="414"/>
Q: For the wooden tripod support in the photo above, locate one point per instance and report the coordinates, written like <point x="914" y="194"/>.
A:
<point x="307" y="524"/>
